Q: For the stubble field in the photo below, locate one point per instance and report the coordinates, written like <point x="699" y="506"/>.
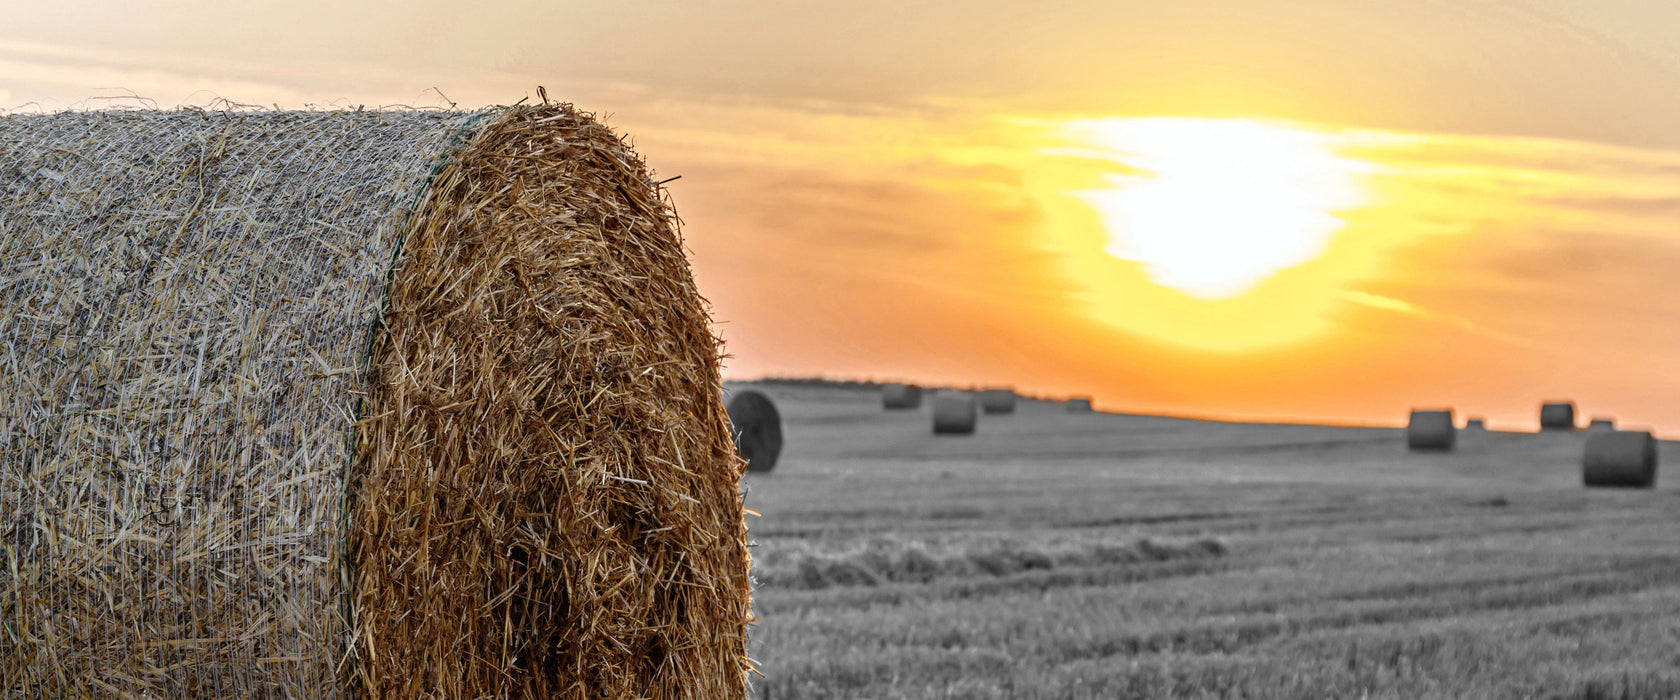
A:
<point x="1058" y="555"/>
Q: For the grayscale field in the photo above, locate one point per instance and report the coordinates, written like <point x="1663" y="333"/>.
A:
<point x="1067" y="555"/>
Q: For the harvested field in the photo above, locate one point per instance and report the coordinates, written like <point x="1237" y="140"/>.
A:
<point x="1061" y="555"/>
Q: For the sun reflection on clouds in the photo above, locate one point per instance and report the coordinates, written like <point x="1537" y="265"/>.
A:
<point x="1218" y="205"/>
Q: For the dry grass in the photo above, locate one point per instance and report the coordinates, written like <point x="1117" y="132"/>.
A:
<point x="541" y="500"/>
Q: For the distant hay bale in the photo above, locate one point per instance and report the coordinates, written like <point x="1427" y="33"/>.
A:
<point x="369" y="404"/>
<point x="997" y="400"/>
<point x="1431" y="430"/>
<point x="955" y="413"/>
<point x="900" y="396"/>
<point x="1622" y="458"/>
<point x="1475" y="423"/>
<point x="1601" y="423"/>
<point x="757" y="429"/>
<point x="1079" y="404"/>
<point x="1558" y="415"/>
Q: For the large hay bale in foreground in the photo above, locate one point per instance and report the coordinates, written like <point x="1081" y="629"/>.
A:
<point x="997" y="401"/>
<point x="757" y="427"/>
<point x="1431" y="430"/>
<point x="901" y="396"/>
<point x="1557" y="415"/>
<point x="1625" y="458"/>
<point x="955" y="413"/>
<point x="369" y="404"/>
<point x="1079" y="404"/>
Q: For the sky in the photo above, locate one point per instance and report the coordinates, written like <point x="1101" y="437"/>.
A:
<point x="1303" y="210"/>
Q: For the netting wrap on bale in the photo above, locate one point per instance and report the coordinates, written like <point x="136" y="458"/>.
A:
<point x="377" y="404"/>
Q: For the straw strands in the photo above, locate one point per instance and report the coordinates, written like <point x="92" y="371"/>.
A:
<point x="230" y="466"/>
<point x="1431" y="430"/>
<point x="955" y="413"/>
<point x="1625" y="458"/>
<point x="758" y="430"/>
<point x="901" y="396"/>
<point x="996" y="401"/>
<point x="1558" y="415"/>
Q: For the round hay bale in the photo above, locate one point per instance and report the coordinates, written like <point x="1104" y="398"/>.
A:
<point x="955" y="413"/>
<point x="1557" y="415"/>
<point x="1079" y="404"/>
<point x="1475" y="423"/>
<point x="1620" y="458"/>
<point x="1431" y="430"/>
<point x="900" y="396"/>
<point x="757" y="429"/>
<point x="1601" y="423"/>
<point x="997" y="401"/>
<point x="378" y="404"/>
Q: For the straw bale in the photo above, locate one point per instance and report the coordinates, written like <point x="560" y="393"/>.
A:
<point x="377" y="404"/>
<point x="1079" y="404"/>
<point x="1475" y="423"/>
<point x="1624" y="458"/>
<point x="1601" y="423"/>
<point x="757" y="428"/>
<point x="1557" y="415"/>
<point x="900" y="396"/>
<point x="995" y="401"/>
<point x="1431" y="430"/>
<point x="955" y="413"/>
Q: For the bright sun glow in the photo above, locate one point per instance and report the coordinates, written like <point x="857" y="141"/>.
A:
<point x="1217" y="206"/>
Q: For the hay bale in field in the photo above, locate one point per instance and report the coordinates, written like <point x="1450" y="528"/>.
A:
<point x="1624" y="458"/>
<point x="955" y="413"/>
<point x="1475" y="423"/>
<point x="997" y="401"/>
<point x="900" y="396"/>
<point x="1557" y="415"/>
<point x="1079" y="404"/>
<point x="757" y="429"/>
<point x="357" y="404"/>
<point x="1601" y="424"/>
<point x="1431" y="430"/>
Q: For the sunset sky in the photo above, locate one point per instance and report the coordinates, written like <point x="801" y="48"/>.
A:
<point x="1309" y="210"/>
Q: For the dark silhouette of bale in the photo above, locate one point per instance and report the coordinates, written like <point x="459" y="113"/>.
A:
<point x="374" y="404"/>
<point x="1431" y="430"/>
<point x="900" y="396"/>
<point x="1475" y="423"/>
<point x="1601" y="423"/>
<point x="997" y="401"/>
<point x="1079" y="404"/>
<point x="1559" y="415"/>
<point x="758" y="429"/>
<point x="955" y="413"/>
<point x="1621" y="458"/>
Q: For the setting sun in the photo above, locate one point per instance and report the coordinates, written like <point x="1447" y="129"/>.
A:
<point x="1217" y="206"/>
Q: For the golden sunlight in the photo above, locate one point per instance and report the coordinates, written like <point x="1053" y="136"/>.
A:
<point x="1218" y="205"/>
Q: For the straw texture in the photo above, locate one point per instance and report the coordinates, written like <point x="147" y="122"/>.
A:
<point x="901" y="396"/>
<point x="1431" y="430"/>
<point x="758" y="429"/>
<point x="997" y="401"/>
<point x="1624" y="458"/>
<point x="1557" y="416"/>
<point x="955" y="413"/>
<point x="540" y="502"/>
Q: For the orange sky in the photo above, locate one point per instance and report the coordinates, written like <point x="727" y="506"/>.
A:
<point x="1321" y="210"/>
